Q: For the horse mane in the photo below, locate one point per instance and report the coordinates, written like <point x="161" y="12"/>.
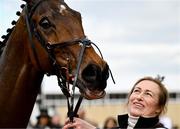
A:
<point x="9" y="31"/>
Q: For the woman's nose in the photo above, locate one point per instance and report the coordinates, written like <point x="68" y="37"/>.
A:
<point x="140" y="96"/>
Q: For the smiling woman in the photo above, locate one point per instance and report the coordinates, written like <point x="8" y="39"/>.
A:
<point x="146" y="102"/>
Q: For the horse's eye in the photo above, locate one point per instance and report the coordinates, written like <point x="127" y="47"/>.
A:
<point x="45" y="23"/>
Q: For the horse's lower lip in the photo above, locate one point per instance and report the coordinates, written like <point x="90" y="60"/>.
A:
<point x="93" y="94"/>
<point x="90" y="93"/>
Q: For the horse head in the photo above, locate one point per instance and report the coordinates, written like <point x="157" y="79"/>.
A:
<point x="57" y="38"/>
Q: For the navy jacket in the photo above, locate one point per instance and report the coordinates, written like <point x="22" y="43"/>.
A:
<point x="141" y="123"/>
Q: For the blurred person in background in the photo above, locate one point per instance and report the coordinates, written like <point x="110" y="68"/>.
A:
<point x="56" y="122"/>
<point x="147" y="100"/>
<point x="43" y="120"/>
<point x="110" y="123"/>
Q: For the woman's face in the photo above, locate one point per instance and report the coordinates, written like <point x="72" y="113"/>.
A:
<point x="144" y="99"/>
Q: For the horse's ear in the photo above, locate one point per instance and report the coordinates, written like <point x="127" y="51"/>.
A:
<point x="29" y="3"/>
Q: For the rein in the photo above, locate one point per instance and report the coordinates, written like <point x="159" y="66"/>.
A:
<point x="63" y="82"/>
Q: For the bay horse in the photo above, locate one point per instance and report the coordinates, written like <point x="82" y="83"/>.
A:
<point x="47" y="38"/>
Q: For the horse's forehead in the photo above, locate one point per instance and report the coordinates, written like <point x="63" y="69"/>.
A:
<point x="61" y="6"/>
<point x="62" y="9"/>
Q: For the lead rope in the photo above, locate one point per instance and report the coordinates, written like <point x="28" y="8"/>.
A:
<point x="73" y="112"/>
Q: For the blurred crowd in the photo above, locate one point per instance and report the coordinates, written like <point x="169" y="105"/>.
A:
<point x="45" y="121"/>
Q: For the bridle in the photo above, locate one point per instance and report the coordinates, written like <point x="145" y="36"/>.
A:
<point x="49" y="48"/>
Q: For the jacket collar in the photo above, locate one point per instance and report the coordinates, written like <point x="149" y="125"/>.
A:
<point x="142" y="121"/>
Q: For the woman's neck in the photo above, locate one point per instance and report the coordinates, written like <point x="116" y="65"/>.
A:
<point x="132" y="120"/>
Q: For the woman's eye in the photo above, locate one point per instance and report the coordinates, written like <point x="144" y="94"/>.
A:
<point x="149" y="94"/>
<point x="44" y="23"/>
<point x="136" y="91"/>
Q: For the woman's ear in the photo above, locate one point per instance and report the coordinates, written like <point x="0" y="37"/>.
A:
<point x="158" y="111"/>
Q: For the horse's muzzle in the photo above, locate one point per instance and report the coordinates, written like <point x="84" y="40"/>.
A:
<point x="95" y="79"/>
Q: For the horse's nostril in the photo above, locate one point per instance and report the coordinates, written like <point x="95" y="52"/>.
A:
<point x="96" y="77"/>
<point x="91" y="73"/>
